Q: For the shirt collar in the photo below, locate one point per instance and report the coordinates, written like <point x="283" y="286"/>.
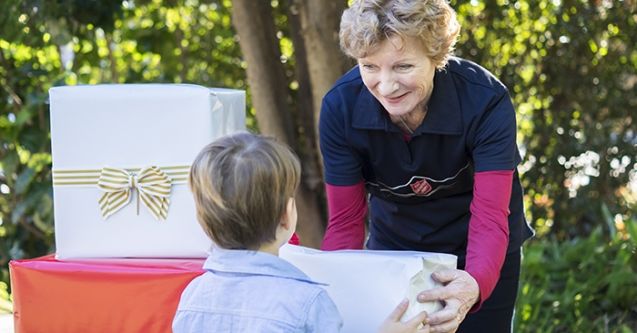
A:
<point x="444" y="115"/>
<point x="253" y="263"/>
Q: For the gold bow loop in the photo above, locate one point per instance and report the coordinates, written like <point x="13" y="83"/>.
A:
<point x="151" y="184"/>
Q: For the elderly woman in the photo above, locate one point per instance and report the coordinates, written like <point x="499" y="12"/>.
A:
<point x="428" y="141"/>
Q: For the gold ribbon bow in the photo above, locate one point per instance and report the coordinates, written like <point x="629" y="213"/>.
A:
<point x="151" y="184"/>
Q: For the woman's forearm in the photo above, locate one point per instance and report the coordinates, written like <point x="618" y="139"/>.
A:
<point x="347" y="209"/>
<point x="488" y="229"/>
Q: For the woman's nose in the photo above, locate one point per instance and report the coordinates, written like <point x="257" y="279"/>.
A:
<point x="387" y="86"/>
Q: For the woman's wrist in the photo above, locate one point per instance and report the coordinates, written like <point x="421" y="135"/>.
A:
<point x="476" y="302"/>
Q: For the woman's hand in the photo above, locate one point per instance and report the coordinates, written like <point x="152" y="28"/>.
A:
<point x="459" y="294"/>
<point x="393" y="324"/>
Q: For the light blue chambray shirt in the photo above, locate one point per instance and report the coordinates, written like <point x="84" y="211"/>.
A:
<point x="249" y="291"/>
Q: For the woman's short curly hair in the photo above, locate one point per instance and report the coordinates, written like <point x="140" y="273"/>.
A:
<point x="367" y="23"/>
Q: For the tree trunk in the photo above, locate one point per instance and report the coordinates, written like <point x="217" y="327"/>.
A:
<point x="266" y="78"/>
<point x="319" y="25"/>
<point x="305" y="104"/>
<point x="269" y="89"/>
<point x="320" y="21"/>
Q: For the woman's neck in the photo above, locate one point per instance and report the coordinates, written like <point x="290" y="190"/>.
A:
<point x="409" y="122"/>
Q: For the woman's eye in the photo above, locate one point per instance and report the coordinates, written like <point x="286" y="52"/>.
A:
<point x="368" y="67"/>
<point x="404" y="67"/>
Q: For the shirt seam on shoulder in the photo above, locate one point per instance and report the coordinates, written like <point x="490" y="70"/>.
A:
<point x="502" y="88"/>
<point x="311" y="301"/>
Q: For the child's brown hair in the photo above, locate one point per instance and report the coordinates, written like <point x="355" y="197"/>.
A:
<point x="241" y="184"/>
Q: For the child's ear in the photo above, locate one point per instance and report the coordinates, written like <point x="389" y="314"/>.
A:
<point x="290" y="211"/>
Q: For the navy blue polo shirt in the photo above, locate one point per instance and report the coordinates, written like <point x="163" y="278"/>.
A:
<point x="421" y="189"/>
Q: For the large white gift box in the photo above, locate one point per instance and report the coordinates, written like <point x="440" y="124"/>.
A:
<point x="121" y="157"/>
<point x="367" y="285"/>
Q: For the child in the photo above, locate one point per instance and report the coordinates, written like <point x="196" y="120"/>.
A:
<point x="244" y="187"/>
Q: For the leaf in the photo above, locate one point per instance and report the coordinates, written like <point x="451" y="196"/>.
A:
<point x="24" y="180"/>
<point x="18" y="211"/>
<point x="31" y="200"/>
<point x="5" y="303"/>
<point x="33" y="139"/>
<point x="610" y="221"/>
<point x="24" y="116"/>
<point x="631" y="227"/>
<point x="9" y="165"/>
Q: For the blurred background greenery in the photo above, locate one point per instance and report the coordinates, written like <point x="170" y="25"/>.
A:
<point x="570" y="65"/>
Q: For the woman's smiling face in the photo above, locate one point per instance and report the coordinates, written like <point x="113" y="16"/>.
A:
<point x="399" y="74"/>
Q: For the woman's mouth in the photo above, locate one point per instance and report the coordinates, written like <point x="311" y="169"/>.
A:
<point x="395" y="99"/>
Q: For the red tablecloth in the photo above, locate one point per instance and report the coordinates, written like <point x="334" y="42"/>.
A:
<point x="105" y="295"/>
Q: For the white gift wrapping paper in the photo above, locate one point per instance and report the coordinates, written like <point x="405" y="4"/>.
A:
<point x="134" y="126"/>
<point x="367" y="285"/>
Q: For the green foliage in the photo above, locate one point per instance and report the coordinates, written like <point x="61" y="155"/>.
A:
<point x="28" y="67"/>
<point x="110" y="42"/>
<point x="572" y="73"/>
<point x="583" y="285"/>
<point x="5" y="299"/>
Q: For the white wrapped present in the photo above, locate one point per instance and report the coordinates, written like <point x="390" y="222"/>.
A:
<point x="121" y="157"/>
<point x="366" y="285"/>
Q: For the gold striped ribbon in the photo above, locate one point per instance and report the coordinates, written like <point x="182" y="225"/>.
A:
<point x="151" y="184"/>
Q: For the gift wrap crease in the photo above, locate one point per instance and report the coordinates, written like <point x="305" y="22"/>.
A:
<point x="367" y="285"/>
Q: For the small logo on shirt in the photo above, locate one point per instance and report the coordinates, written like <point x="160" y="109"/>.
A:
<point x="421" y="187"/>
